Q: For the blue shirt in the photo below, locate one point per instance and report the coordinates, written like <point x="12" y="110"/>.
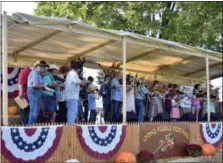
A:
<point x="105" y="92"/>
<point x="116" y="91"/>
<point x="92" y="101"/>
<point x="34" y="77"/>
<point x="141" y="95"/>
<point x="48" y="79"/>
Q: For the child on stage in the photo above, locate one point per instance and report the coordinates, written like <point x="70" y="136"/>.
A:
<point x="92" y="96"/>
<point x="175" y="111"/>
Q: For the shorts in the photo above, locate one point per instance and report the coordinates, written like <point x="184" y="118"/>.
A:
<point x="196" y="104"/>
<point x="50" y="104"/>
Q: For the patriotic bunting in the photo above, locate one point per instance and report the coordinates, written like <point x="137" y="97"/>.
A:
<point x="13" y="74"/>
<point x="101" y="142"/>
<point x="211" y="133"/>
<point x="29" y="144"/>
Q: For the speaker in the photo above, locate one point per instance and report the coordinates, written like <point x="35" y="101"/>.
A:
<point x="213" y="117"/>
<point x="162" y="117"/>
<point x="188" y="117"/>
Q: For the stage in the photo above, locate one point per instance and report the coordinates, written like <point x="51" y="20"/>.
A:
<point x="102" y="143"/>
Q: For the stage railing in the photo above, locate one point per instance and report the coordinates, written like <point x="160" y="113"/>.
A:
<point x="69" y="146"/>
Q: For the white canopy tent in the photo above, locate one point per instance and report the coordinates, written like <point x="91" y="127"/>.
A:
<point x="28" y="38"/>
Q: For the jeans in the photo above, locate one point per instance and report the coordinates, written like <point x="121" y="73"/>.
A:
<point x="92" y="116"/>
<point x="49" y="102"/>
<point x="72" y="110"/>
<point x="107" y="112"/>
<point x="34" y="96"/>
<point x="24" y="116"/>
<point x="116" y="105"/>
<point x="140" y="110"/>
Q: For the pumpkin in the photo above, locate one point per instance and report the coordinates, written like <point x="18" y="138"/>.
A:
<point x="13" y="110"/>
<point x="72" y="161"/>
<point x="125" y="157"/>
<point x="208" y="150"/>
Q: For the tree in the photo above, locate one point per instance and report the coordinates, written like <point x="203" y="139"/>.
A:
<point x="192" y="23"/>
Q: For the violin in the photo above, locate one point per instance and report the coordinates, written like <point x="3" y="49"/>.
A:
<point x="59" y="79"/>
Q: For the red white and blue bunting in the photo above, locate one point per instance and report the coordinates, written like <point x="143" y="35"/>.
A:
<point x="101" y="142"/>
<point x="211" y="133"/>
<point x="13" y="73"/>
<point x="29" y="144"/>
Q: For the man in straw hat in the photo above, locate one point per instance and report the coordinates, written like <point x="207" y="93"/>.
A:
<point x="34" y="91"/>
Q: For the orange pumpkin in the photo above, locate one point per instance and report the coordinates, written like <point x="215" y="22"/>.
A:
<point x="13" y="110"/>
<point x="208" y="150"/>
<point x="125" y="157"/>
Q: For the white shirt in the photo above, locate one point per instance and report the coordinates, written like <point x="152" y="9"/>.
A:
<point x="72" y="87"/>
<point x="174" y="103"/>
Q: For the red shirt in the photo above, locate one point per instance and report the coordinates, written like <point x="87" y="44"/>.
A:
<point x="22" y="79"/>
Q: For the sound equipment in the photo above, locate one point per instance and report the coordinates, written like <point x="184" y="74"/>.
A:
<point x="213" y="117"/>
<point x="162" y="117"/>
<point x="188" y="117"/>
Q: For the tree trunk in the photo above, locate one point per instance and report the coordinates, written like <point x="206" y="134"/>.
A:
<point x="165" y="19"/>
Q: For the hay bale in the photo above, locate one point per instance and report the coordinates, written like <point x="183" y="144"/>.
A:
<point x="14" y="120"/>
<point x="216" y="158"/>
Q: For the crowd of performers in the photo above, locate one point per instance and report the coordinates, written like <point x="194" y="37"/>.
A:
<point x="64" y="95"/>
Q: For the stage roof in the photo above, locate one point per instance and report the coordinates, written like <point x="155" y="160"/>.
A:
<point x="56" y="40"/>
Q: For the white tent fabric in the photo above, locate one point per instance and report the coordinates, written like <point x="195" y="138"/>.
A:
<point x="56" y="40"/>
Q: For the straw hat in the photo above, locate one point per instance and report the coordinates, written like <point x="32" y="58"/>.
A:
<point x="92" y="88"/>
<point x="53" y="67"/>
<point x="40" y="63"/>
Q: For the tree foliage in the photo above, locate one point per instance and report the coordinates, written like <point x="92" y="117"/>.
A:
<point x="192" y="23"/>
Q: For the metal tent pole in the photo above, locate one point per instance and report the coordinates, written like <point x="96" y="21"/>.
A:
<point x="1" y="63"/>
<point x="5" y="68"/>
<point x="124" y="78"/>
<point x="208" y="85"/>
